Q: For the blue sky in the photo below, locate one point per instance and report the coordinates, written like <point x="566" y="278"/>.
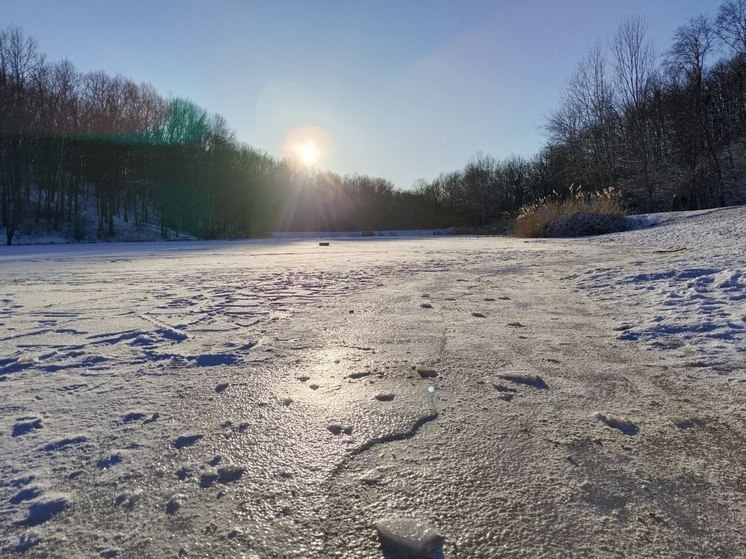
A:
<point x="403" y="89"/>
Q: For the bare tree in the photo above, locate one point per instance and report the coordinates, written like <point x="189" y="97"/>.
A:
<point x="19" y="62"/>
<point x="634" y="66"/>
<point x="586" y="121"/>
<point x="730" y="25"/>
<point x="686" y="61"/>
<point x="693" y="43"/>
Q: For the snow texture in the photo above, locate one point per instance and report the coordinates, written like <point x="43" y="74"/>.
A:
<point x="276" y="399"/>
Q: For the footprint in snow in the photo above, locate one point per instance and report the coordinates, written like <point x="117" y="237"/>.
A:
<point x="224" y="475"/>
<point x="25" y="424"/>
<point x="26" y="494"/>
<point x="623" y="425"/>
<point x="408" y="537"/>
<point x="64" y="443"/>
<point x="335" y="429"/>
<point x="27" y="540"/>
<point x="174" y="504"/>
<point x="45" y="508"/>
<point x="525" y="378"/>
<point x="109" y="461"/>
<point x="133" y="416"/>
<point x="427" y="372"/>
<point x="187" y="439"/>
<point x="682" y="422"/>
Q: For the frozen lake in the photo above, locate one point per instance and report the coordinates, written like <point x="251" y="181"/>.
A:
<point x="275" y="398"/>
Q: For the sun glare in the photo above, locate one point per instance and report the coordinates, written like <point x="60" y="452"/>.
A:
<point x="307" y="145"/>
<point x="307" y="154"/>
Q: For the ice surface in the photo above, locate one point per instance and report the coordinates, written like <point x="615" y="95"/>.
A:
<point x="114" y="357"/>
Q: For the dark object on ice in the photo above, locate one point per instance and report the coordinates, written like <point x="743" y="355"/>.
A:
<point x="324" y="244"/>
<point x="478" y="315"/>
<point x="221" y="387"/>
<point x="384" y="397"/>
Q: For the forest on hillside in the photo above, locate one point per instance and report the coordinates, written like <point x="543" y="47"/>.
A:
<point x="80" y="152"/>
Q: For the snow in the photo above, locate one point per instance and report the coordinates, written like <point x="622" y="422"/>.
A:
<point x="692" y="297"/>
<point x="276" y="398"/>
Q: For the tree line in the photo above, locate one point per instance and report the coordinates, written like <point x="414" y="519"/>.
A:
<point x="84" y="151"/>
<point x="668" y="130"/>
<point x="76" y="147"/>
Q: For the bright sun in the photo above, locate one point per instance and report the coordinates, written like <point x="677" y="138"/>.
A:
<point x="307" y="145"/>
<point x="307" y="153"/>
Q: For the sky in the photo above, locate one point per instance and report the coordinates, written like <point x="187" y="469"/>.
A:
<point x="402" y="89"/>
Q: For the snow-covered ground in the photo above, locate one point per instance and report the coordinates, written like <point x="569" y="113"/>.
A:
<point x="274" y="398"/>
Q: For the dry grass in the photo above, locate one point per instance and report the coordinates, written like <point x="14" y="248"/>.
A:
<point x="580" y="214"/>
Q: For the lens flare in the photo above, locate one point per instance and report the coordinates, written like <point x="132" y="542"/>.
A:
<point x="307" y="145"/>
<point x="307" y="154"/>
